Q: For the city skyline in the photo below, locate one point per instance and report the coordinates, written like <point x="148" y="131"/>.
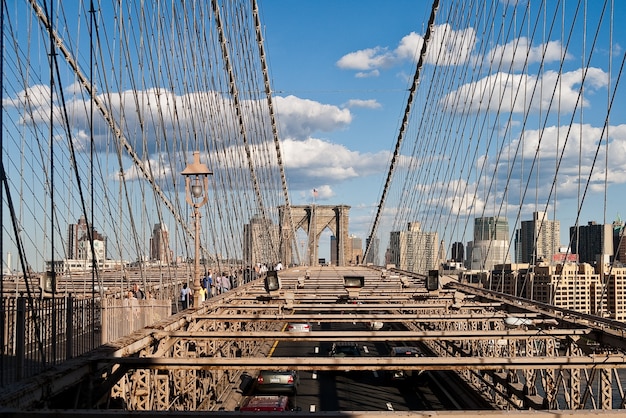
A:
<point x="155" y="248"/>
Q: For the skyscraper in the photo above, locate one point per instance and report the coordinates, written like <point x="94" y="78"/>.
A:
<point x="592" y="242"/>
<point x="619" y="240"/>
<point x="538" y="239"/>
<point x="75" y="232"/>
<point x="414" y="250"/>
<point x="99" y="247"/>
<point x="490" y="245"/>
<point x="77" y="244"/>
<point x="458" y="252"/>
<point x="160" y="244"/>
<point x="357" y="250"/>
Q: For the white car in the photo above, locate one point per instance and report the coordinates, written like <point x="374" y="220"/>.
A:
<point x="299" y="327"/>
<point x="376" y="325"/>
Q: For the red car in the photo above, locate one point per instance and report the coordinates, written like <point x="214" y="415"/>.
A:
<point x="265" y="404"/>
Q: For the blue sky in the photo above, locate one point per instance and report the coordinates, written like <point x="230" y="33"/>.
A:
<point x="305" y="43"/>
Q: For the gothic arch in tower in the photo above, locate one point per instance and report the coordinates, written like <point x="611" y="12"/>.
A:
<point x="313" y="220"/>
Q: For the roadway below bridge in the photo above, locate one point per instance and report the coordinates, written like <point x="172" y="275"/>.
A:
<point x="371" y="390"/>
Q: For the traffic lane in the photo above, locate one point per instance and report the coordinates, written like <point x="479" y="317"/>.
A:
<point x="345" y="391"/>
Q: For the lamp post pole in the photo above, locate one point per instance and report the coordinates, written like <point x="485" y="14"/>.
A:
<point x="197" y="196"/>
<point x="196" y="268"/>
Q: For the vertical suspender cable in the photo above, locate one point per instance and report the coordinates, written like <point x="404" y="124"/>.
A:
<point x="52" y="261"/>
<point x="91" y="146"/>
<point x="2" y="323"/>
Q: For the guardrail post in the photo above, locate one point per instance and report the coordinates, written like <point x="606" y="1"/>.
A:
<point x="69" y="327"/>
<point x="104" y="321"/>
<point x="20" y="337"/>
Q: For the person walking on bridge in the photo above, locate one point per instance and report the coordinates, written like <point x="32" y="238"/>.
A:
<point x="137" y="292"/>
<point x="185" y="296"/>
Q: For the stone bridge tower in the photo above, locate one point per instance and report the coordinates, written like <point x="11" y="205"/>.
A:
<point x="313" y="219"/>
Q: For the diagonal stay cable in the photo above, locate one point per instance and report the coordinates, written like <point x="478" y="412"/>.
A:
<point x="234" y="92"/>
<point x="270" y="103"/>
<point x="403" y="127"/>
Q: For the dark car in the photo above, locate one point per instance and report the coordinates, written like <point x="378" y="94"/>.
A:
<point x="344" y="350"/>
<point x="404" y="352"/>
<point x="277" y="381"/>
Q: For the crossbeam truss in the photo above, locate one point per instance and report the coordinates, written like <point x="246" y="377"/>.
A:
<point x="194" y="360"/>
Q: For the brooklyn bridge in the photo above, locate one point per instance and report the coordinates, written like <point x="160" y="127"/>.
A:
<point x="179" y="239"/>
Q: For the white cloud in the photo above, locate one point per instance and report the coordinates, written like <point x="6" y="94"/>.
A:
<point x="368" y="74"/>
<point x="299" y="118"/>
<point x="315" y="161"/>
<point x="369" y="104"/>
<point x="156" y="168"/>
<point x="519" y="53"/>
<point x="525" y="93"/>
<point x="34" y="96"/>
<point x="447" y="47"/>
<point x="459" y="197"/>
<point x="149" y="117"/>
<point x="573" y="145"/>
<point x="324" y="192"/>
<point x="367" y="59"/>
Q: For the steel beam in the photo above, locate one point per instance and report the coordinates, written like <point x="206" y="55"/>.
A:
<point x="371" y="335"/>
<point x="373" y="363"/>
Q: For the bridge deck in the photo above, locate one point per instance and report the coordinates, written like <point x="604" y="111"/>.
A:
<point x="236" y="333"/>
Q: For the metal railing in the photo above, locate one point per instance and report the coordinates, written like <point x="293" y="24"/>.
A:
<point x="121" y="317"/>
<point x="38" y="333"/>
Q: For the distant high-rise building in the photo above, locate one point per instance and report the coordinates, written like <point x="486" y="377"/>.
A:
<point x="261" y="242"/>
<point x="490" y="245"/>
<point x="592" y="242"/>
<point x="373" y="256"/>
<point x="458" y="252"/>
<point x="160" y="244"/>
<point x="615" y="308"/>
<point x="619" y="240"/>
<point x="77" y="242"/>
<point x="414" y="250"/>
<point x="75" y="232"/>
<point x="333" y="250"/>
<point x="537" y="239"/>
<point x="357" y="250"/>
<point x="99" y="247"/>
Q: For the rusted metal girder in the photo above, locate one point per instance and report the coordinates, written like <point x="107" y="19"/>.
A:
<point x="375" y="314"/>
<point x="373" y="335"/>
<point x="12" y="413"/>
<point x="373" y="363"/>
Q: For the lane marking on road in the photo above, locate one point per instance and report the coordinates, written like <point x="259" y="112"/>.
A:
<point x="275" y="343"/>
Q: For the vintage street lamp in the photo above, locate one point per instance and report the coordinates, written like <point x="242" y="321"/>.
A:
<point x="197" y="194"/>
